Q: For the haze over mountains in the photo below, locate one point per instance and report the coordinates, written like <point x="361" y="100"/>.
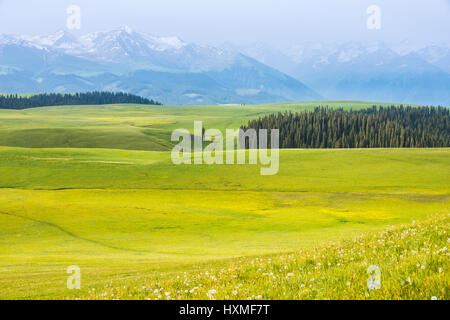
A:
<point x="374" y="71"/>
<point x="172" y="71"/>
<point x="166" y="69"/>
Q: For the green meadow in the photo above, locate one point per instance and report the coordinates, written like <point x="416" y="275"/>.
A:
<point x="94" y="186"/>
<point x="131" y="127"/>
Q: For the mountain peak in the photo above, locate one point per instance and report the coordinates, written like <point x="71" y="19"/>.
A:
<point x="63" y="38"/>
<point x="124" y="30"/>
<point x="59" y="39"/>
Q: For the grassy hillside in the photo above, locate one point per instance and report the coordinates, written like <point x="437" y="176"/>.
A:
<point x="124" y="214"/>
<point x="412" y="260"/>
<point x="94" y="186"/>
<point x="132" y="127"/>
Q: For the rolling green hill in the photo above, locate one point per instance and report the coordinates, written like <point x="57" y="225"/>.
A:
<point x="132" y="127"/>
<point x="77" y="194"/>
<point x="125" y="214"/>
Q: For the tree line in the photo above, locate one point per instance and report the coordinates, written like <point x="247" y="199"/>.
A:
<point x="14" y="101"/>
<point x="376" y="127"/>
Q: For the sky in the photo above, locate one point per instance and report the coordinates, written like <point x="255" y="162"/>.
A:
<point x="275" y="22"/>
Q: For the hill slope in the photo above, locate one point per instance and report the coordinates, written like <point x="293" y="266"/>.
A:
<point x="124" y="215"/>
<point x="133" y="127"/>
<point x="412" y="260"/>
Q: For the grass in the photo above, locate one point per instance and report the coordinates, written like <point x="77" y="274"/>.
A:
<point x="413" y="263"/>
<point x="122" y="214"/>
<point x="130" y="218"/>
<point x="132" y="127"/>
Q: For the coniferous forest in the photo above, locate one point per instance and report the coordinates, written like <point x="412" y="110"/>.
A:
<point x="377" y="127"/>
<point x="14" y="101"/>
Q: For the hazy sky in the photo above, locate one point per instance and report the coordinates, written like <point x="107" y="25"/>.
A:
<point x="277" y="22"/>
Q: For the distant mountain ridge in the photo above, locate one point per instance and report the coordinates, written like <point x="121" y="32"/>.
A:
<point x="375" y="71"/>
<point x="166" y="69"/>
<point x="173" y="71"/>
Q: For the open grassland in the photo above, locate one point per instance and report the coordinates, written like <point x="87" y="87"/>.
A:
<point x="122" y="215"/>
<point x="132" y="127"/>
<point x="412" y="260"/>
<point x="130" y="219"/>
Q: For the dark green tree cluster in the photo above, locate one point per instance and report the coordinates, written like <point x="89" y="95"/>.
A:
<point x="14" y="101"/>
<point x="376" y="127"/>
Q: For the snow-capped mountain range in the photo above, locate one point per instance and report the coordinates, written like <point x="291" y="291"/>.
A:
<point x="124" y="45"/>
<point x="166" y="69"/>
<point x="173" y="71"/>
<point x="376" y="71"/>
